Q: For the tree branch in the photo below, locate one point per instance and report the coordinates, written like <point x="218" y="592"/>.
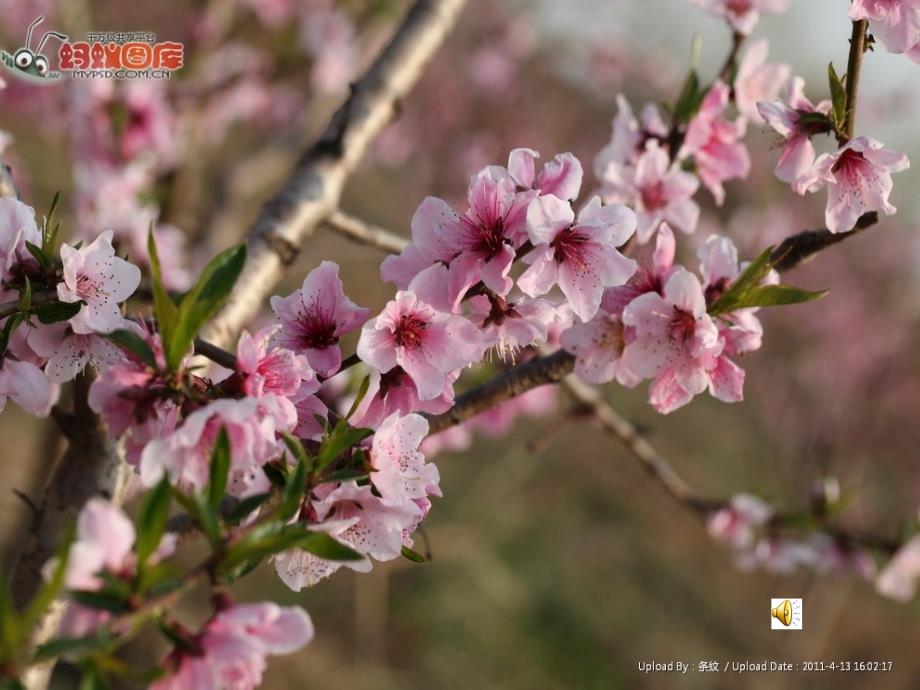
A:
<point x="366" y="234"/>
<point x="797" y="249"/>
<point x="854" y="67"/>
<point x="313" y="190"/>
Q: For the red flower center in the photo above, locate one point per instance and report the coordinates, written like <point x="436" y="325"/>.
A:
<point x="410" y="331"/>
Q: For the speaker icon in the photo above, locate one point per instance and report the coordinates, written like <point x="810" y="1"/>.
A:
<point x="786" y="614"/>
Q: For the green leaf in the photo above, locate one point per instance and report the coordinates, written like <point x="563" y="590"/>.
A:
<point x="322" y="545"/>
<point x="202" y="513"/>
<point x="345" y="476"/>
<point x="778" y="295"/>
<point x="11" y="324"/>
<point x="159" y="579"/>
<point x="50" y="228"/>
<point x="246" y="507"/>
<point x="132" y="343"/>
<point x="690" y="98"/>
<point x="275" y="474"/>
<point x="68" y="645"/>
<point x="164" y="309"/>
<point x="362" y="391"/>
<point x="100" y="599"/>
<point x="54" y="312"/>
<point x="93" y="678"/>
<point x="341" y="439"/>
<point x="274" y="537"/>
<point x="293" y="491"/>
<point x="838" y="96"/>
<point x="220" y="470"/>
<point x="151" y="519"/>
<point x="298" y="452"/>
<point x="413" y="556"/>
<point x="204" y="300"/>
<point x="750" y="278"/>
<point x="39" y="255"/>
<point x="25" y="297"/>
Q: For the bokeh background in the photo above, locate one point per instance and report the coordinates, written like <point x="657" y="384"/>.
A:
<point x="557" y="563"/>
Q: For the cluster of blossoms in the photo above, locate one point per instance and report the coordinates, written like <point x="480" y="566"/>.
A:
<point x="522" y="266"/>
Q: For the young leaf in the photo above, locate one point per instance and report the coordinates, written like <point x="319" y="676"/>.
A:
<point x="220" y="469"/>
<point x="11" y="632"/>
<point x="54" y="312"/>
<point x="749" y="278"/>
<point x="39" y="255"/>
<point x="25" y="297"/>
<point x="345" y="476"/>
<point x="690" y="98"/>
<point x="66" y="645"/>
<point x="164" y="309"/>
<point x="322" y="545"/>
<point x="293" y="491"/>
<point x="362" y="391"/>
<point x="132" y="343"/>
<point x="298" y="452"/>
<point x="777" y="295"/>
<point x="151" y="519"/>
<point x="196" y="506"/>
<point x="276" y="475"/>
<point x="101" y="600"/>
<point x="838" y="96"/>
<point x="203" y="301"/>
<point x="413" y="556"/>
<point x="246" y="507"/>
<point x="49" y="228"/>
<point x="341" y="439"/>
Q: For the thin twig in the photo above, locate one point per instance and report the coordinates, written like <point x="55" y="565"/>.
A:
<point x="313" y="190"/>
<point x="365" y="233"/>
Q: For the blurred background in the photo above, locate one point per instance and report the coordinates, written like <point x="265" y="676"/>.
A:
<point x="556" y="563"/>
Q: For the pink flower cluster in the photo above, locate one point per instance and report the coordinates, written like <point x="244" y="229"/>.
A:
<point x="39" y="356"/>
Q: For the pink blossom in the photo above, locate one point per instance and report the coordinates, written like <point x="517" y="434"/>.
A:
<point x="357" y="517"/>
<point x="104" y="543"/>
<point x="401" y="473"/>
<point x="316" y="316"/>
<point x="757" y="80"/>
<point x="858" y="179"/>
<point x="251" y="425"/>
<point x="580" y="257"/>
<point x="787" y="119"/>
<point x="427" y="344"/>
<point x="329" y="37"/>
<point x="68" y="352"/>
<point x="560" y="177"/>
<point x="25" y="384"/>
<point x="485" y="237"/>
<point x="151" y="128"/>
<point x="275" y="371"/>
<point x="652" y="272"/>
<point x="629" y="136"/>
<point x="231" y="649"/>
<point x="737" y="523"/>
<point x="716" y="143"/>
<point x="675" y="342"/>
<point x="510" y="326"/>
<point x="743" y="15"/>
<point x="598" y="347"/>
<point x="101" y="280"/>
<point x="896" y="23"/>
<point x="395" y="392"/>
<point x="430" y="244"/>
<point x="898" y="579"/>
<point x="17" y="226"/>
<point x="658" y="190"/>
